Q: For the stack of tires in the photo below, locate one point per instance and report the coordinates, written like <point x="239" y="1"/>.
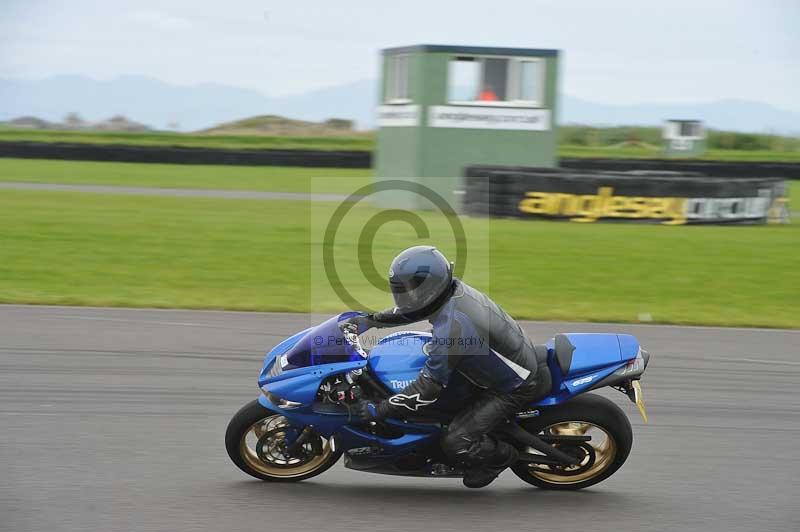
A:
<point x="498" y="190"/>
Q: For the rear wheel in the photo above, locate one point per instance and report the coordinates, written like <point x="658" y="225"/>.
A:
<point x="586" y="415"/>
<point x="256" y="441"/>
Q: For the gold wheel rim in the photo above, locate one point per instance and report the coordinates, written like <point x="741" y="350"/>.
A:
<point x="279" y="466"/>
<point x="603" y="444"/>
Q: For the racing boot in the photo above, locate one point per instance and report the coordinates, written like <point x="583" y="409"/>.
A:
<point x="484" y="474"/>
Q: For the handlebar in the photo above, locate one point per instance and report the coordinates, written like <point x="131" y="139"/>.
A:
<point x="350" y="333"/>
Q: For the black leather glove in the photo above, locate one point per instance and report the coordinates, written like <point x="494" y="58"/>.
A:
<point x="363" y="322"/>
<point x="366" y="411"/>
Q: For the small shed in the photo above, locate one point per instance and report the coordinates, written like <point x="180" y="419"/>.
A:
<point x="684" y="138"/>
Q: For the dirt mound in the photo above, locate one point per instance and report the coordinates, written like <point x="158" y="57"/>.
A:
<point x="281" y="126"/>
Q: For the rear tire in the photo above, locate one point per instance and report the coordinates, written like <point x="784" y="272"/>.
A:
<point x="605" y="419"/>
<point x="255" y="423"/>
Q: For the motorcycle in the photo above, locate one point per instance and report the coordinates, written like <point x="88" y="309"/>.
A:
<point x="301" y="424"/>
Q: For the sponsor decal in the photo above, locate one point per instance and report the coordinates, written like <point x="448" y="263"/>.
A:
<point x="672" y="210"/>
<point x="463" y="116"/>
<point x="584" y="380"/>
<point x="528" y="413"/>
<point x="362" y="451"/>
<point x="412" y="402"/>
<point x="398" y="115"/>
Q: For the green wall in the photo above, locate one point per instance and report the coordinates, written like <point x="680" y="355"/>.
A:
<point x="437" y="156"/>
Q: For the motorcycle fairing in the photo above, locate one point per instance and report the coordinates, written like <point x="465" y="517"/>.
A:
<point x="300" y="385"/>
<point x="592" y="357"/>
<point x="397" y="358"/>
<point x="395" y="361"/>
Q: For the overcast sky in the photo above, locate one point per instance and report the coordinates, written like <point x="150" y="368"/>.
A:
<point x="614" y="51"/>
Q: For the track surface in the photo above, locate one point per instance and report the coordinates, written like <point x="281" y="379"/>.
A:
<point x="176" y="192"/>
<point x="113" y="419"/>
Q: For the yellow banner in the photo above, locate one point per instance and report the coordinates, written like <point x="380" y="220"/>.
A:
<point x="671" y="210"/>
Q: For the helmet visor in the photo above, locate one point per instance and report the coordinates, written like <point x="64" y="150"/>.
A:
<point x="417" y="292"/>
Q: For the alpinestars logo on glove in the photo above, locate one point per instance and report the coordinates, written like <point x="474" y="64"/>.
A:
<point x="412" y="402"/>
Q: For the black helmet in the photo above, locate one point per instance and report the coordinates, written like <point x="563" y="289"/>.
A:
<point x="420" y="279"/>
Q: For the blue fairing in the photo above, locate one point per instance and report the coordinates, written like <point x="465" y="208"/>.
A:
<point x="277" y="351"/>
<point x="628" y="346"/>
<point x="397" y="358"/>
<point x="294" y="370"/>
<point x="596" y="356"/>
<point x="598" y="350"/>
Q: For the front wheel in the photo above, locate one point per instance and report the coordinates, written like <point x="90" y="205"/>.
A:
<point x="586" y="415"/>
<point x="256" y="441"/>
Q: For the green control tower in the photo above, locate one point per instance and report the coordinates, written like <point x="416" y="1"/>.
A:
<point x="447" y="107"/>
<point x="684" y="138"/>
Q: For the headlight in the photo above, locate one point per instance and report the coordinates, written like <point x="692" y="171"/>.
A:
<point x="280" y="403"/>
<point x="278" y="364"/>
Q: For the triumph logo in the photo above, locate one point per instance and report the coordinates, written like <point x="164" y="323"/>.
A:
<point x="412" y="402"/>
<point x="399" y="385"/>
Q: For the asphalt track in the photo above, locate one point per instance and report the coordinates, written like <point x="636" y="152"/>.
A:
<point x="176" y="192"/>
<point x="113" y="419"/>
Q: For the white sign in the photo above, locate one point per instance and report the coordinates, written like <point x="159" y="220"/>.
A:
<point x="464" y="116"/>
<point x="681" y="144"/>
<point x="398" y="115"/>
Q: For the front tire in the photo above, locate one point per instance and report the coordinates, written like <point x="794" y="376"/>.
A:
<point x="255" y="441"/>
<point x="594" y="415"/>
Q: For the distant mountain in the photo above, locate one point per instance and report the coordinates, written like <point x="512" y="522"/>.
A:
<point x="355" y="101"/>
<point x="160" y="104"/>
<point x="140" y="98"/>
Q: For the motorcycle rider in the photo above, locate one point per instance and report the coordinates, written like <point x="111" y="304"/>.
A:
<point x="473" y="336"/>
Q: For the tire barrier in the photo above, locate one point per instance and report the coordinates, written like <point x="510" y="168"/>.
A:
<point x="355" y="159"/>
<point x="669" y="198"/>
<point x="177" y="155"/>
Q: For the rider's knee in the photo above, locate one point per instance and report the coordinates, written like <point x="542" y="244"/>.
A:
<point x="456" y="444"/>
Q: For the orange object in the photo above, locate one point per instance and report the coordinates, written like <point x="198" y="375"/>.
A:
<point x="488" y="95"/>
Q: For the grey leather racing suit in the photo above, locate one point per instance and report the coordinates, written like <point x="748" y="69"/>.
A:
<point x="473" y="336"/>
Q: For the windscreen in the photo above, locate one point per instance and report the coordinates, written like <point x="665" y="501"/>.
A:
<point x="323" y="344"/>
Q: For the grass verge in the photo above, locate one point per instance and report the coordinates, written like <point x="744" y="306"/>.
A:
<point x="361" y="142"/>
<point x="107" y="250"/>
<point x="611" y="152"/>
<point x="266" y="178"/>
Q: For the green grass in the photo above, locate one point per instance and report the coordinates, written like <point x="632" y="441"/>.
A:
<point x="267" y="178"/>
<point x="357" y="142"/>
<point x="610" y="152"/>
<point x="603" y="146"/>
<point x="94" y="249"/>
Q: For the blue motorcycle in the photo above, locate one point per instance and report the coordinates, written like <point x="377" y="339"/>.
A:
<point x="301" y="424"/>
